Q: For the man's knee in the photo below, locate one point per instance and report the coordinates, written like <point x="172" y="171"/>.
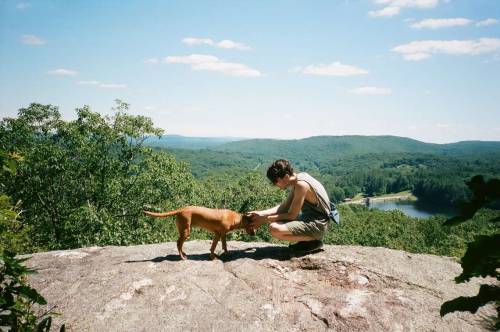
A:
<point x="277" y="229"/>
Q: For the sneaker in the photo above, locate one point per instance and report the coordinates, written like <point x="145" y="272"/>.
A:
<point x="306" y="246"/>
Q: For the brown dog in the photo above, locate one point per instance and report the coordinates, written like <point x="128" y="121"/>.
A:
<point x="218" y="221"/>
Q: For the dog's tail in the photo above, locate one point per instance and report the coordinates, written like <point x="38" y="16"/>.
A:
<point x="161" y="215"/>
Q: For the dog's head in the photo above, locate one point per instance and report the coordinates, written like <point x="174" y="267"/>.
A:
<point x="246" y="222"/>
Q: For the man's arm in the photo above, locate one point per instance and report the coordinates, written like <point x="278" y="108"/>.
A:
<point x="272" y="210"/>
<point x="297" y="200"/>
<point x="283" y="207"/>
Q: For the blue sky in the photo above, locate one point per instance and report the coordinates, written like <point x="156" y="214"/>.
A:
<point x="425" y="69"/>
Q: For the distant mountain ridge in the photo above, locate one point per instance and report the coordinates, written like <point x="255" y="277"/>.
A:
<point x="321" y="146"/>
<point x="187" y="142"/>
<point x="354" y="145"/>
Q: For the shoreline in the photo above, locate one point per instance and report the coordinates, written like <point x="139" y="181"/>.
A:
<point x="397" y="197"/>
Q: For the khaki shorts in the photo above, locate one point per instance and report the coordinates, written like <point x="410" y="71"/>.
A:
<point x="314" y="228"/>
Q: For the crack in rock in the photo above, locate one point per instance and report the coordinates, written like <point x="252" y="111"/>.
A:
<point x="119" y="302"/>
<point x="225" y="267"/>
<point x="314" y="307"/>
<point x="216" y="300"/>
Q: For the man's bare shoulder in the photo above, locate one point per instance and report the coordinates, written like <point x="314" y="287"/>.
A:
<point x="301" y="186"/>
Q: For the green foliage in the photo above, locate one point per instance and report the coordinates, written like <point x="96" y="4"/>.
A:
<point x="17" y="298"/>
<point x="14" y="234"/>
<point x="85" y="181"/>
<point x="482" y="258"/>
<point x="208" y="163"/>
<point x="325" y="149"/>
<point x="395" y="230"/>
<point x="440" y="189"/>
<point x="435" y="173"/>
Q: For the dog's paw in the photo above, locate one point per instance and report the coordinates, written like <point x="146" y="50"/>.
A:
<point x="213" y="256"/>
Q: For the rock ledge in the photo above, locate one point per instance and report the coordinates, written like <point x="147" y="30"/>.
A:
<point x="257" y="287"/>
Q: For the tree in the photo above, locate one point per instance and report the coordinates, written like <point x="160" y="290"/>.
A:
<point x="14" y="234"/>
<point x="482" y="258"/>
<point x="85" y="181"/>
<point x="16" y="296"/>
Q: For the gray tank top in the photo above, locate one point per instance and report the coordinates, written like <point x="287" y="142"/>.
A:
<point x="322" y="209"/>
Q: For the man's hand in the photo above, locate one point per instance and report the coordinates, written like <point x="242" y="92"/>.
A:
<point x="257" y="219"/>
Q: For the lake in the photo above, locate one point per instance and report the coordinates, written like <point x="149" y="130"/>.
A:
<point x="413" y="208"/>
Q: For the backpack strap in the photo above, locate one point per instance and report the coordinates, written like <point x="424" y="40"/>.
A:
<point x="334" y="214"/>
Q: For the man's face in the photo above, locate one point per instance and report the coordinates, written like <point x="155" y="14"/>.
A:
<point x="282" y="182"/>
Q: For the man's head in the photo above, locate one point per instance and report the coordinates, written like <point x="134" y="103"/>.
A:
<point x="279" y="170"/>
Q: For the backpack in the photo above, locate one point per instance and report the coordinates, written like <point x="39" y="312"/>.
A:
<point x="334" y="214"/>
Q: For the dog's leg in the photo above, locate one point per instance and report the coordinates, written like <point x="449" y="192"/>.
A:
<point x="180" y="242"/>
<point x="184" y="231"/>
<point x="214" y="245"/>
<point x="224" y="244"/>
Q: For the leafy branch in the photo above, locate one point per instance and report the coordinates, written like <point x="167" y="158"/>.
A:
<point x="482" y="258"/>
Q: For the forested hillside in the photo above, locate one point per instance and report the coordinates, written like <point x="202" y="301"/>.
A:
<point x="84" y="182"/>
<point x="370" y="165"/>
<point x="332" y="147"/>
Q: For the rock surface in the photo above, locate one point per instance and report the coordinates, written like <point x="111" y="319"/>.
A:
<point x="257" y="287"/>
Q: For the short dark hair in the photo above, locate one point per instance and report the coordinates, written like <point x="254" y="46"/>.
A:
<point x="279" y="169"/>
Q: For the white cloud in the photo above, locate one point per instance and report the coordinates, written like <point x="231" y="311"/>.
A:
<point x="213" y="63"/>
<point x="226" y="43"/>
<point x="32" y="40"/>
<point x="393" y="7"/>
<point x="63" y="72"/>
<point x="486" y="22"/>
<point x="102" y="85"/>
<point x="334" y="69"/>
<point x="419" y="50"/>
<point x="436" y="23"/>
<point x="424" y="4"/>
<point x="385" y="12"/>
<point x="87" y="82"/>
<point x="371" y="90"/>
<point x="197" y="41"/>
<point x="152" y="61"/>
<point x="192" y="59"/>
<point x="23" y="5"/>
<point x="112" y="86"/>
<point x="231" y="44"/>
<point x="416" y="56"/>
